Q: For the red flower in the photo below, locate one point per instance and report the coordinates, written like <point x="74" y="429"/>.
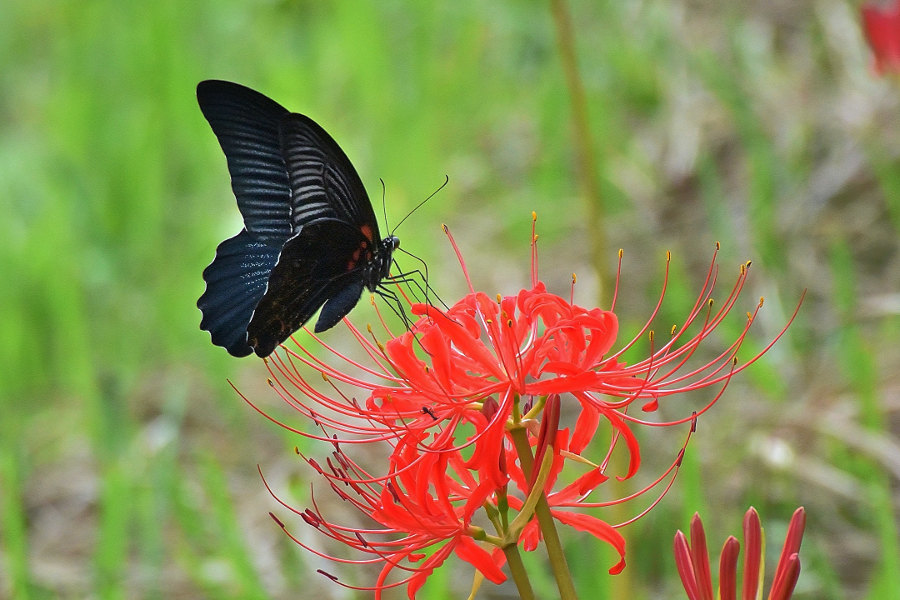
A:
<point x="693" y="561"/>
<point x="462" y="397"/>
<point x="423" y="510"/>
<point x="881" y="24"/>
<point x="509" y="351"/>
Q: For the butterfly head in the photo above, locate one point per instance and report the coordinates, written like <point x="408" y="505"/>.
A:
<point x="381" y="266"/>
<point x="391" y="243"/>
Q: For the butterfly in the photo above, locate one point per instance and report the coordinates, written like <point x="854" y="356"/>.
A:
<point x="310" y="238"/>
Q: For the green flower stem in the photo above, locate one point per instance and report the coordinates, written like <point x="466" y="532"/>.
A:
<point x="518" y="571"/>
<point x="558" y="564"/>
<point x="503" y="508"/>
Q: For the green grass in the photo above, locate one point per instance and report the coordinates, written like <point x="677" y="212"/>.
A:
<point x="127" y="463"/>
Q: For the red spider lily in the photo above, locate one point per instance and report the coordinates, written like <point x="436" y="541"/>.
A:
<point x="692" y="561"/>
<point x="881" y="24"/>
<point x="460" y="400"/>
<point x="426" y="507"/>
<point x="441" y="372"/>
<point x="424" y="512"/>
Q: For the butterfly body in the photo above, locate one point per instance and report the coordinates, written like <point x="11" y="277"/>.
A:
<point x="310" y="237"/>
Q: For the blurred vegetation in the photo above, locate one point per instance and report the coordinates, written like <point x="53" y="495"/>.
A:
<point x="127" y="463"/>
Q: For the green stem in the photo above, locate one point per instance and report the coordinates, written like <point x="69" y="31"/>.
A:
<point x="555" y="551"/>
<point x="558" y="564"/>
<point x="518" y="571"/>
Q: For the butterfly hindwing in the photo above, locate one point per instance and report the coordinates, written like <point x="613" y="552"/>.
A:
<point x="347" y="290"/>
<point x="235" y="282"/>
<point x="320" y="265"/>
<point x="247" y="124"/>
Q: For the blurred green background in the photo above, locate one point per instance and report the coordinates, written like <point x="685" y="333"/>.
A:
<point x="128" y="464"/>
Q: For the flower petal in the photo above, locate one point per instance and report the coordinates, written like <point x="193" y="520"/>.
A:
<point x="481" y="559"/>
<point x="599" y="529"/>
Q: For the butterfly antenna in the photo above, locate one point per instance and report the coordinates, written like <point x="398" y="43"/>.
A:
<point x="419" y="205"/>
<point x="383" y="204"/>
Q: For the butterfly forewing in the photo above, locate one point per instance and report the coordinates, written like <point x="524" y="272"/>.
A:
<point x="246" y="124"/>
<point x="324" y="184"/>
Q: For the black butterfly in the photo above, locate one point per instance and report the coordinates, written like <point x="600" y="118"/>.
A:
<point x="310" y="237"/>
